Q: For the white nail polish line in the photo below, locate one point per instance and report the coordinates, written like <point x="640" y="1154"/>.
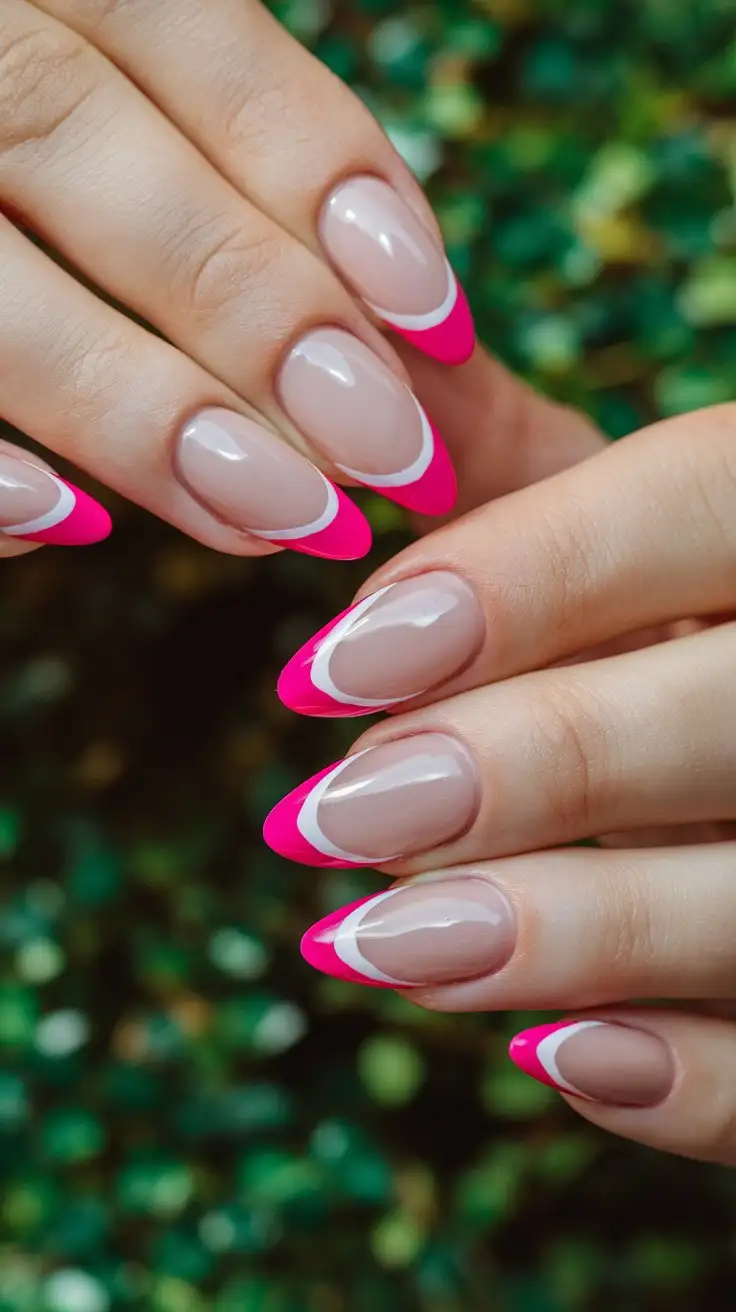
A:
<point x="348" y="950"/>
<point x="421" y="322"/>
<point x="413" y="472"/>
<point x="60" y="512"/>
<point x="308" y="824"/>
<point x="319" y="671"/>
<point x="549" y="1047"/>
<point x="328" y="516"/>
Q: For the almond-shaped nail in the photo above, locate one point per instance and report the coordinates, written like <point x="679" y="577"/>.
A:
<point x="597" y="1060"/>
<point x="439" y="932"/>
<point x="255" y="482"/>
<point x="390" y="801"/>
<point x="394" y="645"/>
<point x="382" y="248"/>
<point x="355" y="410"/>
<point x="38" y="506"/>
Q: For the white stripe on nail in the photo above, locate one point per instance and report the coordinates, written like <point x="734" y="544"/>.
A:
<point x="307" y="821"/>
<point x="413" y="472"/>
<point x="421" y="322"/>
<point x="327" y="517"/>
<point x="61" y="511"/>
<point x="550" y="1046"/>
<point x="347" y="948"/>
<point x="319" y="671"/>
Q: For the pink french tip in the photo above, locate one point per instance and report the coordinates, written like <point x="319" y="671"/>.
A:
<point x="452" y="341"/>
<point x="435" y="493"/>
<point x="348" y="537"/>
<point x="318" y="947"/>
<point x="84" y="522"/>
<point x="295" y="687"/>
<point x="282" y="833"/>
<point x="524" y="1048"/>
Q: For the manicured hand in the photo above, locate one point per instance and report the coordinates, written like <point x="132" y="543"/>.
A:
<point x="506" y="740"/>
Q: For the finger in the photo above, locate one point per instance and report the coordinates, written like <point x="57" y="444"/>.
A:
<point x="38" y="507"/>
<point x="264" y="111"/>
<point x="638" y="740"/>
<point x="148" y="422"/>
<point x="661" y="1078"/>
<point x="113" y="186"/>
<point x="501" y="434"/>
<point x="566" y="929"/>
<point x="639" y="535"/>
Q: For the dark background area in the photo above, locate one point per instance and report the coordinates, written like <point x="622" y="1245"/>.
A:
<point x="190" y="1119"/>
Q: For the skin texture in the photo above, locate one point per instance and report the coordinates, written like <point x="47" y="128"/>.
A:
<point x="631" y="742"/>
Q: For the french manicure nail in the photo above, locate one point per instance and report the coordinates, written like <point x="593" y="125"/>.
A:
<point x="386" y="802"/>
<point x="359" y="414"/>
<point x="597" y="1060"/>
<point x="398" y="267"/>
<point x="257" y="483"/>
<point x="394" y="645"/>
<point x="442" y="932"/>
<point x="38" y="506"/>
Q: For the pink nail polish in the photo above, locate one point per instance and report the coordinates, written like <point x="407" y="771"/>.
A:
<point x="401" y="797"/>
<point x="396" y="264"/>
<point x="597" y="1060"/>
<point x="38" y="506"/>
<point x="354" y="410"/>
<point x="433" y="932"/>
<point x="254" y="481"/>
<point x="388" y="648"/>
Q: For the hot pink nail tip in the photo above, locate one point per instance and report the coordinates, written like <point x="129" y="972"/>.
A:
<point x="523" y="1051"/>
<point x="435" y="493"/>
<point x="86" y="523"/>
<point x="348" y="537"/>
<point x="318" y="947"/>
<point x="282" y="834"/>
<point x="296" y="689"/>
<point x="450" y="342"/>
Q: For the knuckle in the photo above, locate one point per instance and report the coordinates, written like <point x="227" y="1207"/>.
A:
<point x="89" y="368"/>
<point x="629" y="931"/>
<point x="211" y="264"/>
<point x="46" y="76"/>
<point x="712" y="470"/>
<point x="572" y="741"/>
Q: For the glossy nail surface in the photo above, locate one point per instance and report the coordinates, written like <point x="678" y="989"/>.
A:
<point x="401" y="641"/>
<point x="438" y="932"/>
<point x="255" y="482"/>
<point x="394" y="800"/>
<point x="357" y="412"/>
<point x="597" y="1060"/>
<point x="38" y="506"/>
<point x="397" y="265"/>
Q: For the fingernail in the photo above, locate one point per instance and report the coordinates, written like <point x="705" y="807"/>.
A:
<point x="38" y="506"/>
<point x="389" y="647"/>
<point x="597" y="1060"/>
<point x="356" y="411"/>
<point x="444" y="932"/>
<point x="396" y="264"/>
<point x="254" y="481"/>
<point x="386" y="802"/>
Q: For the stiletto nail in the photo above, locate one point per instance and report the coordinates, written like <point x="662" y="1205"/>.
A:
<point x="386" y="802"/>
<point x="439" y="932"/>
<point x="254" y="481"/>
<point x="398" y="267"/>
<point x="394" y="645"/>
<point x="598" y="1061"/>
<point x="359" y="414"/>
<point x="38" y="506"/>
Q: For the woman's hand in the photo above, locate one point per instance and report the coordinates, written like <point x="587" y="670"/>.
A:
<point x="195" y="165"/>
<point x="498" y="759"/>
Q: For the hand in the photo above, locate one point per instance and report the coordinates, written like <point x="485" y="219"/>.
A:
<point x="499" y="759"/>
<point x="183" y="159"/>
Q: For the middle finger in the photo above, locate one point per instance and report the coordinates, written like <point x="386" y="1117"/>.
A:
<point x="635" y="740"/>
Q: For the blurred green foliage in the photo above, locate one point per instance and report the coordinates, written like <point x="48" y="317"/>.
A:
<point x="189" y="1119"/>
